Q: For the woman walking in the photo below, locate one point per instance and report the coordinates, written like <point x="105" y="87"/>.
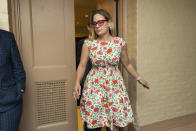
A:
<point x="104" y="101"/>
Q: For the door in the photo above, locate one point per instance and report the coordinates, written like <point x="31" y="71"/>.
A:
<point x="44" y="30"/>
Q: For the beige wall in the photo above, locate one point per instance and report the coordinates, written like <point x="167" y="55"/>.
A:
<point x="165" y="52"/>
<point x="3" y="15"/>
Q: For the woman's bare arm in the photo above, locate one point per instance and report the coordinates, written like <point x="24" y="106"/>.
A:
<point x="129" y="67"/>
<point x="80" y="71"/>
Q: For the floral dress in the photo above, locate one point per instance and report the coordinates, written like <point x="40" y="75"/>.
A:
<point x="104" y="101"/>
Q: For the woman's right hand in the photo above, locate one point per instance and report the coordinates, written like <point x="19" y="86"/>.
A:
<point x="77" y="91"/>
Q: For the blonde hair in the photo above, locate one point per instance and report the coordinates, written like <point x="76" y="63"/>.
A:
<point x="107" y="16"/>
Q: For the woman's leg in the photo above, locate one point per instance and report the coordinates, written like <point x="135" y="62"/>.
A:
<point x="114" y="129"/>
<point x="92" y="129"/>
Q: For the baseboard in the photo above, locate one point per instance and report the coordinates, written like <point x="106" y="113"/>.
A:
<point x="185" y="123"/>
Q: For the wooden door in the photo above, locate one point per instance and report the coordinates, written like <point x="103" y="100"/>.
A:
<point x="44" y="30"/>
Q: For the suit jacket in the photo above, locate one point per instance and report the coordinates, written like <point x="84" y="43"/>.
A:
<point x="12" y="74"/>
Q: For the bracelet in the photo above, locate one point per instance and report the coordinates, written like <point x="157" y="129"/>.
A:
<point x="138" y="78"/>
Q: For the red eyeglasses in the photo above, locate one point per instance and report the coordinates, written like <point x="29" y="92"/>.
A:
<point x="99" y="22"/>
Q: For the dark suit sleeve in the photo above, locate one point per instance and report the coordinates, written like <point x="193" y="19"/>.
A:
<point x="79" y="51"/>
<point x="18" y="69"/>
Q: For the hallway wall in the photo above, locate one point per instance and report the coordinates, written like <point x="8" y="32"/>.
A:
<point x="4" y="15"/>
<point x="165" y="51"/>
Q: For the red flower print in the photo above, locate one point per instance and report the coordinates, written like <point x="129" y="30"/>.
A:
<point x="111" y="72"/>
<point x="126" y="114"/>
<point x="115" y="82"/>
<point x="129" y="123"/>
<point x="116" y="41"/>
<point x="94" y="48"/>
<point x="103" y="66"/>
<point x="96" y="81"/>
<point x="94" y="122"/>
<point x="86" y="87"/>
<point x="126" y="98"/>
<point x="110" y="95"/>
<point x="108" y="88"/>
<point x="89" y="48"/>
<point x="89" y="39"/>
<point x="92" y="107"/>
<point x="107" y="111"/>
<point x="98" y="62"/>
<point x="114" y="121"/>
<point x="96" y="109"/>
<point x="84" y="101"/>
<point x="97" y="91"/>
<point x="110" y="103"/>
<point x="101" y="85"/>
<point x="109" y="50"/>
<point x="129" y="104"/>
<point x="121" y="100"/>
<point x="116" y="92"/>
<point x="107" y="82"/>
<point x="124" y="108"/>
<point x="102" y="99"/>
<point x="100" y="116"/>
<point x="106" y="98"/>
<point x="93" y="73"/>
<point x="86" y="93"/>
<point x="103" y="43"/>
<point x="105" y="105"/>
<point x="87" y="113"/>
<point x="82" y="109"/>
<point x="100" y="125"/>
<point x="88" y="103"/>
<point x="115" y="59"/>
<point x="114" y="109"/>
<point x="109" y="122"/>
<point x="100" y="53"/>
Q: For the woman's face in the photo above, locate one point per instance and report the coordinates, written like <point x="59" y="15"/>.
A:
<point x="100" y="25"/>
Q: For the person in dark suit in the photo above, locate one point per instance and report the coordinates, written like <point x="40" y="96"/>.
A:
<point x="79" y="44"/>
<point x="12" y="82"/>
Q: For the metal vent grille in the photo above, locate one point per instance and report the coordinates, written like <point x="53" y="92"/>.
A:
<point x="51" y="101"/>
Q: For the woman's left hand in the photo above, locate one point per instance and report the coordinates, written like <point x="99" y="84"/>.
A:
<point x="144" y="83"/>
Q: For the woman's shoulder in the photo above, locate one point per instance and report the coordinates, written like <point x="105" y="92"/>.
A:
<point x="120" y="40"/>
<point x="88" y="41"/>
